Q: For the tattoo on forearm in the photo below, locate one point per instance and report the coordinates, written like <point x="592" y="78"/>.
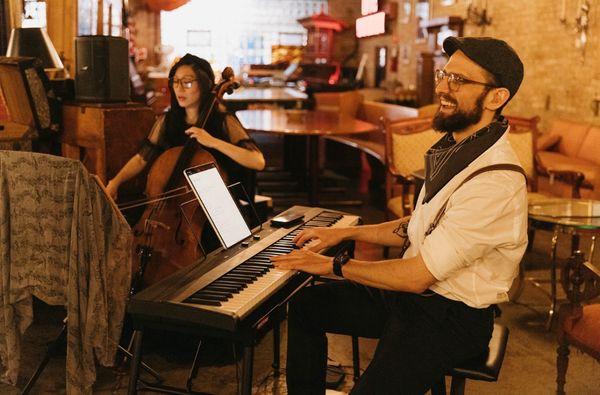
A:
<point x="401" y="230"/>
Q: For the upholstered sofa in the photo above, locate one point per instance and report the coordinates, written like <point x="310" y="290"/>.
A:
<point x="572" y="149"/>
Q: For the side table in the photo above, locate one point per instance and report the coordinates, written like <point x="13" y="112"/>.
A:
<point x="574" y="217"/>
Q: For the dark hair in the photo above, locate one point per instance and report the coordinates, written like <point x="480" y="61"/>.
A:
<point x="204" y="75"/>
<point x="175" y="117"/>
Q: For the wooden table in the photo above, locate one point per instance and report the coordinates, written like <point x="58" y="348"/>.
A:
<point x="281" y="96"/>
<point x="312" y="124"/>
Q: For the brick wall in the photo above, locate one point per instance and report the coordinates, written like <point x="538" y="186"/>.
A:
<point x="559" y="80"/>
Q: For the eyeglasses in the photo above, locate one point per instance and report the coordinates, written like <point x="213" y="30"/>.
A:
<point x="455" y="81"/>
<point x="185" y="84"/>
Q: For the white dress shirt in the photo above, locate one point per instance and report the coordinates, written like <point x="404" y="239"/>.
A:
<point x="475" y="250"/>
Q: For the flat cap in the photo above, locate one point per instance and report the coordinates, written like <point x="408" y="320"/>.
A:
<point x="495" y="56"/>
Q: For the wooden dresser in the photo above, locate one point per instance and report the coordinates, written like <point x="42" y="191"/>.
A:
<point x="104" y="136"/>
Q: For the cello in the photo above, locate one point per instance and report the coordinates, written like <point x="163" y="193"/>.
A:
<point x="165" y="239"/>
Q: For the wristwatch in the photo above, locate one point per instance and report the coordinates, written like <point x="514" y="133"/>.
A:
<point x="340" y="260"/>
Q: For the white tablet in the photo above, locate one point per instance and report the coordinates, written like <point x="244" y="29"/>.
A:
<point x="218" y="204"/>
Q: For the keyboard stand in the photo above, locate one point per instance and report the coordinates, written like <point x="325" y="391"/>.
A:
<point x="248" y="338"/>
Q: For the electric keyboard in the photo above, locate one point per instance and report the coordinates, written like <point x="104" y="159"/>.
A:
<point x="234" y="286"/>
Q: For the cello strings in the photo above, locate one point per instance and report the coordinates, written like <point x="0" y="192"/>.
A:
<point x="157" y="198"/>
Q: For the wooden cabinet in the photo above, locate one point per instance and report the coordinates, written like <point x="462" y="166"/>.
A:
<point x="15" y="136"/>
<point x="104" y="136"/>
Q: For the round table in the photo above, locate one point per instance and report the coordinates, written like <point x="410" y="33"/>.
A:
<point x="312" y="124"/>
<point x="571" y="216"/>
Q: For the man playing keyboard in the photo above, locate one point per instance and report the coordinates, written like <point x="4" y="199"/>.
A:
<point x="434" y="307"/>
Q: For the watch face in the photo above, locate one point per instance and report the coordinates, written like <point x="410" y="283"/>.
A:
<point x="342" y="258"/>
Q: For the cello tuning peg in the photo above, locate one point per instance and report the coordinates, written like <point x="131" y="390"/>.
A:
<point x="227" y="73"/>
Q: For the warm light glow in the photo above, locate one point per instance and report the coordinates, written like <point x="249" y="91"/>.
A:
<point x="370" y="25"/>
<point x="369" y="6"/>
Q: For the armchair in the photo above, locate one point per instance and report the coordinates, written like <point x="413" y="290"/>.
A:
<point x="579" y="325"/>
<point x="406" y="143"/>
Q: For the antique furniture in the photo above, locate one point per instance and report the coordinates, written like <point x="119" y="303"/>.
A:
<point x="564" y="216"/>
<point x="370" y="145"/>
<point x="104" y="136"/>
<point x="406" y="143"/>
<point x="574" y="156"/>
<point x="320" y="32"/>
<point x="32" y="106"/>
<point x="579" y="324"/>
<point x="312" y="125"/>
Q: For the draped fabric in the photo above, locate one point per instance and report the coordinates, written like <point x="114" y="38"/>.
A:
<point x="62" y="241"/>
<point x="165" y="5"/>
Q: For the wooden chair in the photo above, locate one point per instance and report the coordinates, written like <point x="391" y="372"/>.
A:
<point x="579" y="325"/>
<point x="407" y="141"/>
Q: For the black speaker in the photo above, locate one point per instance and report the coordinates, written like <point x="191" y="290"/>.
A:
<point x="102" y="73"/>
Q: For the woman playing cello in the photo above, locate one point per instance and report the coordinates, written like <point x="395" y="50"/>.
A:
<point x="190" y="133"/>
<point x="190" y="81"/>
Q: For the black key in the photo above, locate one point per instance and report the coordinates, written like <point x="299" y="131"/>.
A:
<point x="259" y="265"/>
<point x="254" y="270"/>
<point x="239" y="277"/>
<point x="223" y="288"/>
<point x="230" y="283"/>
<point x="210" y="297"/>
<point x="202" y="301"/>
<point x="246" y="276"/>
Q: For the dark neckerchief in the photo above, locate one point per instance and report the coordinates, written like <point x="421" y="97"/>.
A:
<point x="447" y="158"/>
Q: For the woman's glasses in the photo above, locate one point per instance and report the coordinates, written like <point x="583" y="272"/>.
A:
<point x="184" y="83"/>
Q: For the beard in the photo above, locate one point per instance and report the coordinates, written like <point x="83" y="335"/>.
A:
<point x="459" y="119"/>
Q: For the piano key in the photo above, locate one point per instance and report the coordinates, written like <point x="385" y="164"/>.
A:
<point x="221" y="288"/>
<point x="212" y="293"/>
<point x="221" y="281"/>
<point x="238" y="277"/>
<point x="207" y="302"/>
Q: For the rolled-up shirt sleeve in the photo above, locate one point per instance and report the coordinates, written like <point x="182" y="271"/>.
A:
<point x="479" y="217"/>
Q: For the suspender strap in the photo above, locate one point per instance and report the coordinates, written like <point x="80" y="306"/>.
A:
<point x="499" y="166"/>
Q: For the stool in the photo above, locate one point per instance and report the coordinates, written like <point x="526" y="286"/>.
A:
<point x="484" y="368"/>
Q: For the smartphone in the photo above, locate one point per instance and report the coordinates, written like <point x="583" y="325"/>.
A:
<point x="287" y="219"/>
